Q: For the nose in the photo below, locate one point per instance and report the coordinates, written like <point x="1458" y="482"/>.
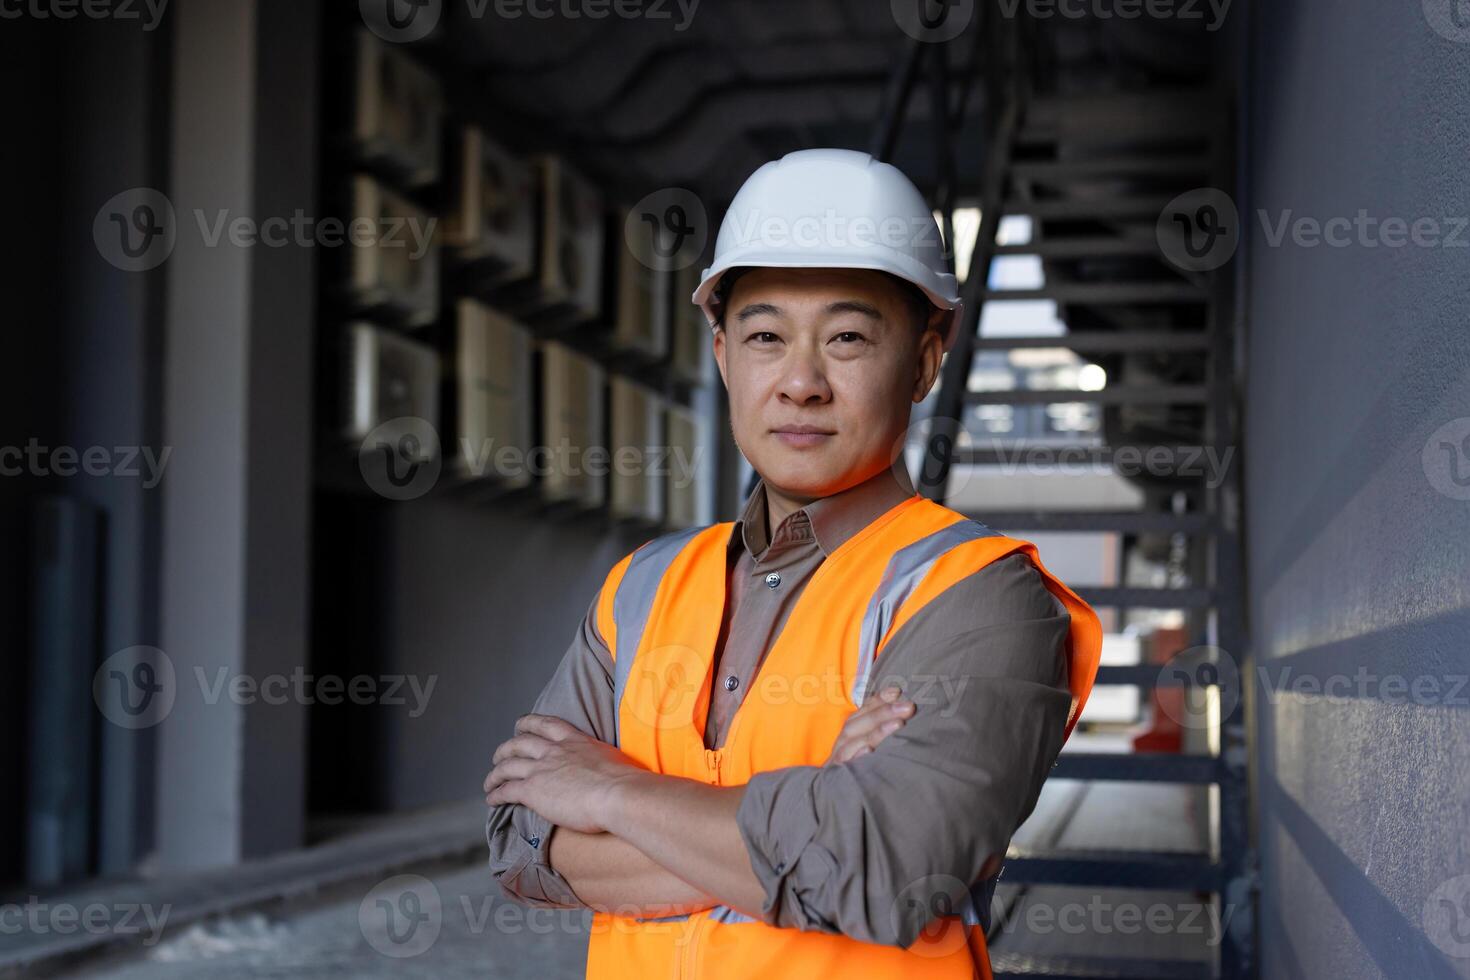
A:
<point x="803" y="382"/>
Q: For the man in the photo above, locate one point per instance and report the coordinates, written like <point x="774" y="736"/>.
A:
<point x="699" y="769"/>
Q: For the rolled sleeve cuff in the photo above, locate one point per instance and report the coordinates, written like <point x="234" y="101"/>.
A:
<point x="777" y="818"/>
<point x="518" y="849"/>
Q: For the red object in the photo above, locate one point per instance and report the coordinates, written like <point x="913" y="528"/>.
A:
<point x="1166" y="734"/>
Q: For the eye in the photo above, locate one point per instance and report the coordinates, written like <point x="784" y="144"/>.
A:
<point x="762" y="337"/>
<point x="850" y="336"/>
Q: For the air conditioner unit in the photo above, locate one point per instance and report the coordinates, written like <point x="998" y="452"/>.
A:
<point x="391" y="383"/>
<point x="638" y="461"/>
<point x="693" y="360"/>
<point x="573" y="393"/>
<point x="566" y="289"/>
<point x="493" y="380"/>
<point x="400" y="111"/>
<point x="493" y="201"/>
<point x="397" y="270"/>
<point x="687" y="480"/>
<point x="641" y="301"/>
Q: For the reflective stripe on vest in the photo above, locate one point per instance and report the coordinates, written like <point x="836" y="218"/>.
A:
<point x="632" y="602"/>
<point x="906" y="569"/>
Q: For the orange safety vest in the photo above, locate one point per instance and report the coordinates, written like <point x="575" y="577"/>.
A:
<point x="660" y="611"/>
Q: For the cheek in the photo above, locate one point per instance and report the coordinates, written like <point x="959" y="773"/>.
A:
<point x="871" y="389"/>
<point x="747" y="390"/>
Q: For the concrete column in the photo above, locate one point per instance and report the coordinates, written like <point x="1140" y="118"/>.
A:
<point x="237" y="411"/>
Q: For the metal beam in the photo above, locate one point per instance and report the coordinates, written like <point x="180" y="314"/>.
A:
<point x="1111" y="395"/>
<point x="1139" y="767"/>
<point x="1105" y="342"/>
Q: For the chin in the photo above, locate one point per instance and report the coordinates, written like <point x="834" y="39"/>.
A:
<point x="801" y="475"/>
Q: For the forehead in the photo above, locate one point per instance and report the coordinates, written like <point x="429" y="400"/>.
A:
<point x="817" y="286"/>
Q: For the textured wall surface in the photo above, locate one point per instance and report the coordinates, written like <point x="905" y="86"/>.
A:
<point x="483" y="605"/>
<point x="1358" y="531"/>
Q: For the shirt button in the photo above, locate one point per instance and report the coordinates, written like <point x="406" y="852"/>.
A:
<point x="773" y="579"/>
<point x="732" y="682"/>
<point x="534" y="842"/>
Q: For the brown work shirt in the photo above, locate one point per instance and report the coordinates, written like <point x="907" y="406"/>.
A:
<point x="834" y="846"/>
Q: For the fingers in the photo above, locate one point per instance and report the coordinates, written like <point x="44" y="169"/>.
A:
<point x="852" y="748"/>
<point x="506" y="792"/>
<point x="513" y="768"/>
<point x="871" y="724"/>
<point x="548" y="727"/>
<point x="524" y="746"/>
<point x="535" y="736"/>
<point x="890" y="704"/>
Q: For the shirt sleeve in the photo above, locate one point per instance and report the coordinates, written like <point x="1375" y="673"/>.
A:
<point x="580" y="692"/>
<point x="859" y="848"/>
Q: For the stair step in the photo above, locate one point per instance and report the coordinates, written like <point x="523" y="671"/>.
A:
<point x="1138" y="598"/>
<point x="1081" y="209"/>
<point x="1122" y="521"/>
<point x="1111" y="395"/>
<point x="1139" y="767"/>
<point x="1153" y="165"/>
<point x="1106" y="292"/>
<point x="1149" y="675"/>
<point x="1104" y="342"/>
<point x="1025" y="966"/>
<point x="1084" y="248"/>
<point x="1172" y="126"/>
<point x="1115" y="869"/>
<point x="1196" y="461"/>
<point x="1116" y="115"/>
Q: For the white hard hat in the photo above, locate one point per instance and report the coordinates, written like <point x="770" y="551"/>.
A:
<point x="829" y="208"/>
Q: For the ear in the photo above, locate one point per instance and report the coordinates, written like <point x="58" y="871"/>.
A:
<point x="719" y="348"/>
<point x="930" y="353"/>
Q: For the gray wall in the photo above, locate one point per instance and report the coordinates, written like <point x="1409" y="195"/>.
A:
<point x="83" y="342"/>
<point x="1356" y="356"/>
<point x="481" y="602"/>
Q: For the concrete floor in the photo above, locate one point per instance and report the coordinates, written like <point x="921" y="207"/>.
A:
<point x="447" y="925"/>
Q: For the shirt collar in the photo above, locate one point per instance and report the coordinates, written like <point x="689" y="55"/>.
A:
<point x="834" y="519"/>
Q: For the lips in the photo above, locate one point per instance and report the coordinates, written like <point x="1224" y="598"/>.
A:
<point x="802" y="436"/>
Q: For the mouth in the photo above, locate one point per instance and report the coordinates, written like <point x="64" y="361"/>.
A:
<point x="802" y="436"/>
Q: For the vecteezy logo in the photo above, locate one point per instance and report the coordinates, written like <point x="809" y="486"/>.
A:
<point x="667" y="230"/>
<point x="1447" y="917"/>
<point x="401" y="21"/>
<point x="1199" y="230"/>
<point x="664" y="690"/>
<point x="1196" y="668"/>
<point x="929" y="451"/>
<point x="1449" y="18"/>
<point x="402" y="916"/>
<point x="1446" y="459"/>
<point x="936" y="900"/>
<point x="135" y="230"/>
<point x="933" y="21"/>
<point x="400" y="459"/>
<point x="135" y="688"/>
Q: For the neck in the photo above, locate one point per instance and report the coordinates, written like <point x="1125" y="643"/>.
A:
<point x="781" y="505"/>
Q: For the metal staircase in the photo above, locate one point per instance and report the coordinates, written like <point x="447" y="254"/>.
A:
<point x="1095" y="172"/>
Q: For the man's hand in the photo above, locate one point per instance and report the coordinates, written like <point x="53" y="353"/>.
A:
<point x="871" y="724"/>
<point x="558" y="771"/>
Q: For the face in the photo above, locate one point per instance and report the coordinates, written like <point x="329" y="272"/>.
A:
<point x="822" y="367"/>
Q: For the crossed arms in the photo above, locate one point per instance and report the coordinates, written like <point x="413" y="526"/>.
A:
<point x="830" y="847"/>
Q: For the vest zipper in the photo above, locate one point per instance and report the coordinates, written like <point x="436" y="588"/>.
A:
<point x="712" y="763"/>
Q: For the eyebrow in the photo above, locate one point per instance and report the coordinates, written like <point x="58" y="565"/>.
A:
<point x="840" y="306"/>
